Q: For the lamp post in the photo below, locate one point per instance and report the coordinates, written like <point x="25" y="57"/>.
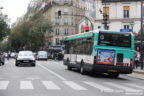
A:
<point x="141" y="37"/>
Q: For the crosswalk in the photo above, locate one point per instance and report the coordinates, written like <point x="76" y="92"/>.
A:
<point x="73" y="85"/>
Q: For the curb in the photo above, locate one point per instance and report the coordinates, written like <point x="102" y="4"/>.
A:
<point x="139" y="72"/>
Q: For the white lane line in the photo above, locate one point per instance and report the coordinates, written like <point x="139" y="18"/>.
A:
<point x="74" y="85"/>
<point x="60" y="77"/>
<point x="99" y="86"/>
<point x="4" y="85"/>
<point x="26" y="85"/>
<point x="135" y="85"/>
<point x="127" y="89"/>
<point x="50" y="85"/>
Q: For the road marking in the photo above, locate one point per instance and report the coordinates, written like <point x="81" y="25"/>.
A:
<point x="60" y="77"/>
<point x="3" y="85"/>
<point x="26" y="85"/>
<point x="100" y="87"/>
<point x="127" y="89"/>
<point x="74" y="85"/>
<point x="50" y="85"/>
<point x="134" y="85"/>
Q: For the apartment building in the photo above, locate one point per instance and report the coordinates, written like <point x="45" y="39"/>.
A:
<point x="67" y="24"/>
<point x="120" y="14"/>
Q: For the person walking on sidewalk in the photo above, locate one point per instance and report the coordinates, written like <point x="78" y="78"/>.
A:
<point x="135" y="59"/>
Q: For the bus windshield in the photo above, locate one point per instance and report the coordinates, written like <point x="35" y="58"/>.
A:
<point x="115" y="39"/>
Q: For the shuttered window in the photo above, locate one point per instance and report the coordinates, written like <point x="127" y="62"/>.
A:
<point x="106" y="10"/>
<point x="126" y="11"/>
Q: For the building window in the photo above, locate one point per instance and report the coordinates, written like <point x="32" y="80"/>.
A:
<point x="57" y="32"/>
<point x="56" y="10"/>
<point x="57" y="1"/>
<point x="57" y="21"/>
<point x="106" y="10"/>
<point x="65" y="10"/>
<point x="126" y="11"/>
<point x="57" y="41"/>
<point x="126" y="26"/>
<point x="66" y="31"/>
<point x="65" y="1"/>
<point x="65" y="21"/>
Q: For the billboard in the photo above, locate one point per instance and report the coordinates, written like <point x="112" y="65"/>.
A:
<point x="106" y="57"/>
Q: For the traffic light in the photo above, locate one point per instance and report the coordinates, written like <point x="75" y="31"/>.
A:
<point x="59" y="14"/>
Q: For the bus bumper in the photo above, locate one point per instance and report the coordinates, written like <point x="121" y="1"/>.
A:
<point x="112" y="69"/>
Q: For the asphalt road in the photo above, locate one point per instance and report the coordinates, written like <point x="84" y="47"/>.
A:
<point x="51" y="78"/>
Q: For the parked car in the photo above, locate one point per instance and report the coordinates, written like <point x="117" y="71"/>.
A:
<point x="42" y="55"/>
<point x="25" y="58"/>
<point x="2" y="59"/>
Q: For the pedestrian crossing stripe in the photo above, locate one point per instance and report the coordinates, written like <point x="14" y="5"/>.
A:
<point x="50" y="85"/>
<point x="125" y="88"/>
<point x="135" y="85"/>
<point x="100" y="87"/>
<point x="74" y="85"/>
<point x="3" y="85"/>
<point x="26" y="85"/>
<point x="103" y="87"/>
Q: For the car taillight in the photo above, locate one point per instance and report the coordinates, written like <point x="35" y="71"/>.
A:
<point x="131" y="62"/>
<point x="94" y="59"/>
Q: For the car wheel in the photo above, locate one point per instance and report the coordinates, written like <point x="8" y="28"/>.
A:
<point x="33" y="64"/>
<point x="16" y="64"/>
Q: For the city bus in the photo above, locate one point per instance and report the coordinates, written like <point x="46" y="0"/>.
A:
<point x="100" y="51"/>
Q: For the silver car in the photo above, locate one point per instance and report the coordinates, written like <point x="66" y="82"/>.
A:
<point x="25" y="58"/>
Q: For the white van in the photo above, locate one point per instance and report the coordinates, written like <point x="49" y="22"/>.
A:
<point x="42" y="55"/>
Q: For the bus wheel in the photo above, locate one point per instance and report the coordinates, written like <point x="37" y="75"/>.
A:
<point x="114" y="75"/>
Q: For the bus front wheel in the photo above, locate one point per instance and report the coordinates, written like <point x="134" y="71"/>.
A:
<point x="114" y="75"/>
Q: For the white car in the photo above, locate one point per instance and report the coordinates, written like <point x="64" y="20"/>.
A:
<point x="25" y="58"/>
<point x="13" y="55"/>
<point x="42" y="55"/>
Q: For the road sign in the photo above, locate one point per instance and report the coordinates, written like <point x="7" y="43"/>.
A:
<point x="125" y="30"/>
<point x="132" y="24"/>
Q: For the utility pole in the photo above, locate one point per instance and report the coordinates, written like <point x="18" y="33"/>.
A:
<point x="141" y="37"/>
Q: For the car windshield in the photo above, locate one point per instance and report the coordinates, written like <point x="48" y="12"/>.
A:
<point x="42" y="52"/>
<point x="25" y="54"/>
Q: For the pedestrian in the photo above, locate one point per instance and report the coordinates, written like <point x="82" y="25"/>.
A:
<point x="136" y="59"/>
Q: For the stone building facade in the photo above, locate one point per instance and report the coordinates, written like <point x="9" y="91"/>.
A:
<point x="120" y="14"/>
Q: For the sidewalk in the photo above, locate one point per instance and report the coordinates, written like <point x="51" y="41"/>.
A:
<point x="138" y="70"/>
<point x="137" y="73"/>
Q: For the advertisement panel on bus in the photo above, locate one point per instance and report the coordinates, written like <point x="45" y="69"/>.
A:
<point x="106" y="57"/>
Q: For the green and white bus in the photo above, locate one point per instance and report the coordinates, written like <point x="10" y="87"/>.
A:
<point x="100" y="51"/>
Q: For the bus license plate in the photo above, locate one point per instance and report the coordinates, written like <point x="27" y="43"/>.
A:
<point x="112" y="70"/>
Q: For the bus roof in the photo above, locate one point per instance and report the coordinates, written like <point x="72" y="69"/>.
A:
<point x="90" y="34"/>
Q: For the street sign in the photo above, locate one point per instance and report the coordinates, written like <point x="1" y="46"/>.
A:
<point x="125" y="30"/>
<point x="132" y="24"/>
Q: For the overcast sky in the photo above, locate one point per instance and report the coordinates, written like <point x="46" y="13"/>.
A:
<point x="14" y="8"/>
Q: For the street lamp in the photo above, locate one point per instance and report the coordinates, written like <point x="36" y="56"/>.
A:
<point x="141" y="37"/>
